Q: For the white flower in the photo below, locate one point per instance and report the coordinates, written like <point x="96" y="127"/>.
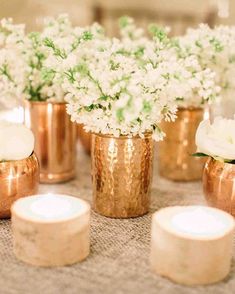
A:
<point x="16" y="141"/>
<point x="217" y="139"/>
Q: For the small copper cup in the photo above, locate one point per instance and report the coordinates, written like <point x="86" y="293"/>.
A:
<point x="55" y="140"/>
<point x="85" y="138"/>
<point x="219" y="185"/>
<point x="121" y="175"/>
<point x="175" y="151"/>
<point x="18" y="178"/>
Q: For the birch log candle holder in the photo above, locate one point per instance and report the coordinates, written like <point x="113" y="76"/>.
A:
<point x="192" y="245"/>
<point x="51" y="230"/>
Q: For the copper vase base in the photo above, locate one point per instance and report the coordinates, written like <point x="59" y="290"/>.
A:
<point x="176" y="162"/>
<point x="47" y="178"/>
<point x="118" y="215"/>
<point x="178" y="177"/>
<point x="18" y="178"/>
<point x="219" y="185"/>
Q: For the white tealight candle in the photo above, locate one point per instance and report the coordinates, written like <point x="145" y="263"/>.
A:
<point x="51" y="230"/>
<point x="192" y="245"/>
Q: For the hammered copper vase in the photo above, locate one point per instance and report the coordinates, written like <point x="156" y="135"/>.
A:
<point x="55" y="140"/>
<point x="18" y="178"/>
<point x="175" y="151"/>
<point x="219" y="185"/>
<point x="121" y="175"/>
<point x="85" y="138"/>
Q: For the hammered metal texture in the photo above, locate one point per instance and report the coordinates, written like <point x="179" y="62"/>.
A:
<point x="122" y="175"/>
<point x="55" y="140"/>
<point x="85" y="138"/>
<point x="175" y="152"/>
<point x="219" y="185"/>
<point x="18" y="178"/>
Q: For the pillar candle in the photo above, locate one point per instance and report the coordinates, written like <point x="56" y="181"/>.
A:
<point x="51" y="230"/>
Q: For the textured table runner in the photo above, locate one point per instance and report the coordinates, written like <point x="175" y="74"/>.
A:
<point x="119" y="259"/>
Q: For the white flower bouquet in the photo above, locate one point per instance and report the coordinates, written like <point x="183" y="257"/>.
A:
<point x="12" y="66"/>
<point x="199" y="82"/>
<point x="126" y="86"/>
<point x="214" y="49"/>
<point x="23" y="57"/>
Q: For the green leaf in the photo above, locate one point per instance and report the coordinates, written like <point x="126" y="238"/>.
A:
<point x="200" y="154"/>
<point x="229" y="161"/>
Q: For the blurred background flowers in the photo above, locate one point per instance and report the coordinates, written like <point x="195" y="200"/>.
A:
<point x="178" y="14"/>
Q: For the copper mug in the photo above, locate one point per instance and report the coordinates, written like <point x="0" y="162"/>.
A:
<point x="18" y="178"/>
<point x="55" y="140"/>
<point x="121" y="175"/>
<point x="85" y="138"/>
<point x="219" y="185"/>
<point x="175" y="151"/>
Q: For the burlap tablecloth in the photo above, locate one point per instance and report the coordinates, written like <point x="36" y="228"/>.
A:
<point x="119" y="259"/>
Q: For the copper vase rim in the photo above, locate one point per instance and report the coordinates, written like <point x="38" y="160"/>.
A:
<point x="17" y="161"/>
<point x="46" y="102"/>
<point x="221" y="162"/>
<point x="122" y="137"/>
<point x="191" y="108"/>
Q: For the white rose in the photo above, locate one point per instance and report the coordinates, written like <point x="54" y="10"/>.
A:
<point x="16" y="141"/>
<point x="217" y="139"/>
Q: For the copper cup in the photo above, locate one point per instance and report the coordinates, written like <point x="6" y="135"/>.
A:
<point x="219" y="185"/>
<point x="175" y="152"/>
<point x="85" y="138"/>
<point x="121" y="175"/>
<point x="18" y="178"/>
<point x="55" y="140"/>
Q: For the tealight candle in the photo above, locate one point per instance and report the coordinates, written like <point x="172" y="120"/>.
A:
<point x="192" y="245"/>
<point x="51" y="230"/>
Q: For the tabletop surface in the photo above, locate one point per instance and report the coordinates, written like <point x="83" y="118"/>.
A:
<point x="119" y="258"/>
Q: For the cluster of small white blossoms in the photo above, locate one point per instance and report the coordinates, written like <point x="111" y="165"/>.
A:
<point x="214" y="49"/>
<point x="23" y="57"/>
<point x="40" y="86"/>
<point x="12" y="66"/>
<point x="126" y="86"/>
<point x="198" y="83"/>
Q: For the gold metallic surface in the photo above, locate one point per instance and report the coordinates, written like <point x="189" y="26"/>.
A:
<point x="18" y="178"/>
<point x="219" y="185"/>
<point x="55" y="140"/>
<point x="122" y="175"/>
<point x="85" y="138"/>
<point x="175" y="160"/>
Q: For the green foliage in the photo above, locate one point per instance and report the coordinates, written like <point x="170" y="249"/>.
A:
<point x="5" y="71"/>
<point x="113" y="65"/>
<point x="124" y="21"/>
<point x="48" y="74"/>
<point x="217" y="45"/>
<point x="158" y="32"/>
<point x="147" y="106"/>
<point x="57" y="51"/>
<point x="119" y="114"/>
